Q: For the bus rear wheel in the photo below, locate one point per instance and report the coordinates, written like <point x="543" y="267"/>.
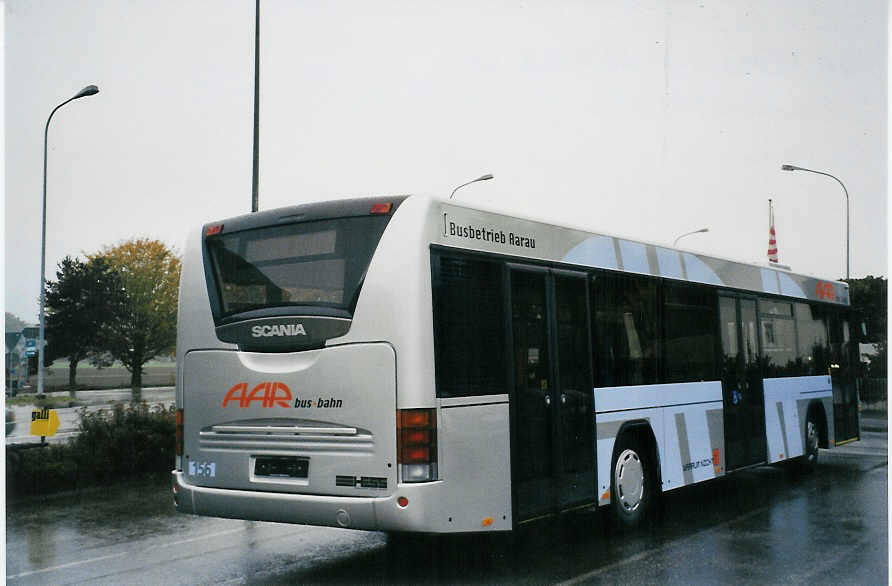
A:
<point x="809" y="459"/>
<point x="631" y="482"/>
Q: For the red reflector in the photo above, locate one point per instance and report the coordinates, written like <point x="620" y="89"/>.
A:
<point x="402" y="501"/>
<point x="211" y="230"/>
<point x="381" y="208"/>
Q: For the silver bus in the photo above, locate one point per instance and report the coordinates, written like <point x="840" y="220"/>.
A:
<point x="414" y="364"/>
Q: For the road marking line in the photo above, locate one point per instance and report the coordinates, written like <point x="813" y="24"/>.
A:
<point x="68" y="565"/>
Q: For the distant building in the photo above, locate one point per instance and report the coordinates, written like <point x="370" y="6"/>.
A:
<point x="868" y="351"/>
<point x="31" y="334"/>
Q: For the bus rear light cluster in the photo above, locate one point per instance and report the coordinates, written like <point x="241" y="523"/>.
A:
<point x="417" y="444"/>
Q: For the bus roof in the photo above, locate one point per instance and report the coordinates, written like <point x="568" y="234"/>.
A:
<point x="477" y="228"/>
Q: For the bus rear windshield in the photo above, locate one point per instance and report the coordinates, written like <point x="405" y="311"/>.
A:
<point x="317" y="264"/>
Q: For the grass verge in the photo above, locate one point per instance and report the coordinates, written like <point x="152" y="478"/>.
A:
<point x="121" y="444"/>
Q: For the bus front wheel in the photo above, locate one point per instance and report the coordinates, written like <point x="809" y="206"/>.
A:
<point x="631" y="482"/>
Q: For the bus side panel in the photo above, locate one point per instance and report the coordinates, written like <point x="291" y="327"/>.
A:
<point x="195" y="325"/>
<point x="474" y="490"/>
<point x="786" y="408"/>
<point x="695" y="444"/>
<point x="476" y="464"/>
<point x="395" y="302"/>
<point x="686" y="420"/>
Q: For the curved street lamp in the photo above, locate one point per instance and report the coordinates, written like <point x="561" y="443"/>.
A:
<point x="87" y="91"/>
<point x="689" y="233"/>
<point x="486" y="177"/>
<point x="846" y="191"/>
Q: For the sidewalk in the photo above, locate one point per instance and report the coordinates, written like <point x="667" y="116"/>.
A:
<point x="107" y="396"/>
<point x="875" y="421"/>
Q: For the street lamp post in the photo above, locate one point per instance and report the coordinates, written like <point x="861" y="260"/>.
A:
<point x="486" y="177"/>
<point x="846" y="191"/>
<point x="255" y="173"/>
<point x="689" y="233"/>
<point x="87" y="91"/>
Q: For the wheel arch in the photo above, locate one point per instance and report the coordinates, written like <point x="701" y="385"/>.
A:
<point x="816" y="408"/>
<point x="642" y="430"/>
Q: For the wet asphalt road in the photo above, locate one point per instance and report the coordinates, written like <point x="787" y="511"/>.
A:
<point x="764" y="525"/>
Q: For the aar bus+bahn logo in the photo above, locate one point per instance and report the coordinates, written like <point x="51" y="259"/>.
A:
<point x="274" y="394"/>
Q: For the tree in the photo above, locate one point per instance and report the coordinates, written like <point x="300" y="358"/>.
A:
<point x="77" y="305"/>
<point x="868" y="298"/>
<point x="13" y="323"/>
<point x="144" y="323"/>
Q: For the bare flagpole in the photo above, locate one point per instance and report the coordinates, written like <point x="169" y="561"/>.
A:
<point x="772" y="237"/>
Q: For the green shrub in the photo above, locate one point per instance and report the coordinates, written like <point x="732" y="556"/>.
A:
<point x="113" y="445"/>
<point x="127" y="441"/>
<point x="40" y="470"/>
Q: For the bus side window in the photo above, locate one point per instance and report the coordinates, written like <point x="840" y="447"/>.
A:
<point x="690" y="327"/>
<point x="624" y="312"/>
<point x="812" y="347"/>
<point x="780" y="355"/>
<point x="469" y="341"/>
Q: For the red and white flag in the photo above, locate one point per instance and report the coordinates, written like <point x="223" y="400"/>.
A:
<point x="772" y="239"/>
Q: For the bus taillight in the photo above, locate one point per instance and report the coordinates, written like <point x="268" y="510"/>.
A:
<point x="417" y="444"/>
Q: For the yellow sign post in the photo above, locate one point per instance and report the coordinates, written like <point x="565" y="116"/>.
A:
<point x="44" y="422"/>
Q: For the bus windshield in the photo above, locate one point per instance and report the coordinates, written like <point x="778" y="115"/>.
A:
<point x="320" y="263"/>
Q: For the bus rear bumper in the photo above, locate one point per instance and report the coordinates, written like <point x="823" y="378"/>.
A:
<point x="369" y="513"/>
<point x="332" y="511"/>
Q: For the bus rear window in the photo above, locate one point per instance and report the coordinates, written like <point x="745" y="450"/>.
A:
<point x="320" y="263"/>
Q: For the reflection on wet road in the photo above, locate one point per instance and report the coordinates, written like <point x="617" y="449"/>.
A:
<point x="764" y="525"/>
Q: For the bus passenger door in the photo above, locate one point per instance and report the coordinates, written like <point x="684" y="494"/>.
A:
<point x="742" y="392"/>
<point x="552" y="399"/>
<point x="843" y="363"/>
<point x="576" y="399"/>
<point x="531" y="433"/>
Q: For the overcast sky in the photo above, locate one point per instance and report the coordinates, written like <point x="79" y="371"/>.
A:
<point x="640" y="119"/>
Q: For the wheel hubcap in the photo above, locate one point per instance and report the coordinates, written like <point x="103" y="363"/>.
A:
<point x="628" y="478"/>
<point x="811" y="438"/>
